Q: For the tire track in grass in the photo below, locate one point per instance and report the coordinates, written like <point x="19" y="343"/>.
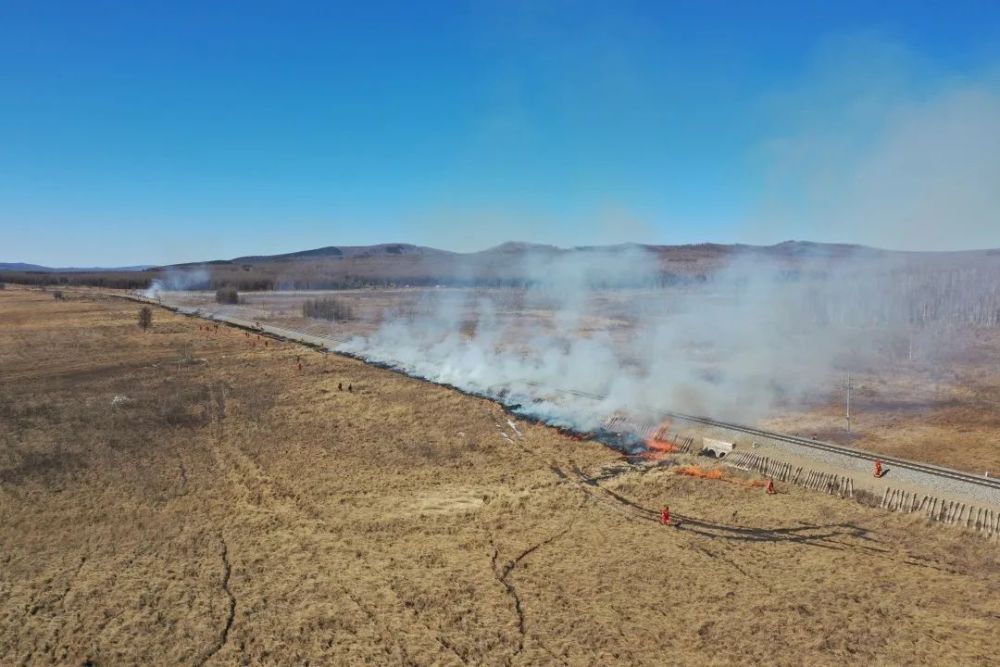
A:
<point x="231" y="614"/>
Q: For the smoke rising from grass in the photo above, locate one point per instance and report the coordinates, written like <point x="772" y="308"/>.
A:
<point x="592" y="335"/>
<point x="178" y="280"/>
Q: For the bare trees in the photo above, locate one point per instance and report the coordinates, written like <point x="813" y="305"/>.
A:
<point x="227" y="296"/>
<point x="328" y="308"/>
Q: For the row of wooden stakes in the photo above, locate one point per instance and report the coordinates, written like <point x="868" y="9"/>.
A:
<point x="978" y="519"/>
<point x="776" y="470"/>
<point x="785" y="472"/>
<point x="683" y="445"/>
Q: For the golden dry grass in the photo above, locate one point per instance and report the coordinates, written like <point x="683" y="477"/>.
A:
<point x="236" y="510"/>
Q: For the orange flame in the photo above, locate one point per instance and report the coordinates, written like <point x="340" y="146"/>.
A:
<point x="658" y="443"/>
<point x="695" y="471"/>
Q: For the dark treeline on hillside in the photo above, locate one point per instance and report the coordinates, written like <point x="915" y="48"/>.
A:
<point x="665" y="279"/>
<point x="112" y="280"/>
<point x="255" y="282"/>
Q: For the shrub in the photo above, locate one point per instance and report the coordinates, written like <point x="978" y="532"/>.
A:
<point x="145" y="317"/>
<point x="328" y="308"/>
<point x="58" y="295"/>
<point x="227" y="295"/>
<point x="3" y="285"/>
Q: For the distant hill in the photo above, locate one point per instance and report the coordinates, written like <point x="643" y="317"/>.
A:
<point x="21" y="266"/>
<point x="404" y="264"/>
<point x="380" y="250"/>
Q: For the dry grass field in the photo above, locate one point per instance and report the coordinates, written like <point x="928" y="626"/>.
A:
<point x="178" y="496"/>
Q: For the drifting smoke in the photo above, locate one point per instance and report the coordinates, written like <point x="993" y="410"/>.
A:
<point x="869" y="150"/>
<point x="875" y="146"/>
<point x="590" y="336"/>
<point x="177" y="280"/>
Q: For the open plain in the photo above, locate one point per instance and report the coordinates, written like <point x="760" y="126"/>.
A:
<point x="187" y="495"/>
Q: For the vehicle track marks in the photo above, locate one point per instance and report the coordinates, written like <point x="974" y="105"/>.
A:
<point x="231" y="607"/>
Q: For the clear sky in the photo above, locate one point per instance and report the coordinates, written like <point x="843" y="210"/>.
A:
<point x="153" y="132"/>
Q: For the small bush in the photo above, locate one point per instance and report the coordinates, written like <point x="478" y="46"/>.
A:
<point x="227" y="295"/>
<point x="328" y="308"/>
<point x="145" y="317"/>
<point x="3" y="286"/>
<point x="58" y="295"/>
<point x="185" y="406"/>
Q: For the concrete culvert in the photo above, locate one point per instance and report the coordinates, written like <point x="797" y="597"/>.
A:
<point x="716" y="448"/>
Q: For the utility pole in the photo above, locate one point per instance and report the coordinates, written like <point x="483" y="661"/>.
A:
<point x="848" y="401"/>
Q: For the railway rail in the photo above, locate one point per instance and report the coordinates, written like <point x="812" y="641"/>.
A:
<point x="925" y="468"/>
<point x="992" y="483"/>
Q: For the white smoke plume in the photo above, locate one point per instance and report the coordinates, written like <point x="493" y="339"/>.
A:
<point x="175" y="280"/>
<point x="594" y="324"/>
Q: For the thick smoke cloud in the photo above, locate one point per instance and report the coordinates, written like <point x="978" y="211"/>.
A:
<point x="590" y="336"/>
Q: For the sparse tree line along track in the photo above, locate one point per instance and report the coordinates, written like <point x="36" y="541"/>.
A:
<point x="989" y="483"/>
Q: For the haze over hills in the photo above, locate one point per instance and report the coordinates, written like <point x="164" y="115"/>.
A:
<point x="507" y="264"/>
<point x="389" y="250"/>
<point x="21" y="266"/>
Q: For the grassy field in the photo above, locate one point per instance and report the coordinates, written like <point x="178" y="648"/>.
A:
<point x="183" y="496"/>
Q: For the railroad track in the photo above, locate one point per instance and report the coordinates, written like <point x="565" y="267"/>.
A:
<point x="926" y="468"/>
<point x="817" y="445"/>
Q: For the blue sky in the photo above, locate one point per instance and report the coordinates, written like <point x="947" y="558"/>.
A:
<point x="141" y="132"/>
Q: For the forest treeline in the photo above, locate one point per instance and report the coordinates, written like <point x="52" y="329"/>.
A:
<point x="919" y="295"/>
<point x="256" y="283"/>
